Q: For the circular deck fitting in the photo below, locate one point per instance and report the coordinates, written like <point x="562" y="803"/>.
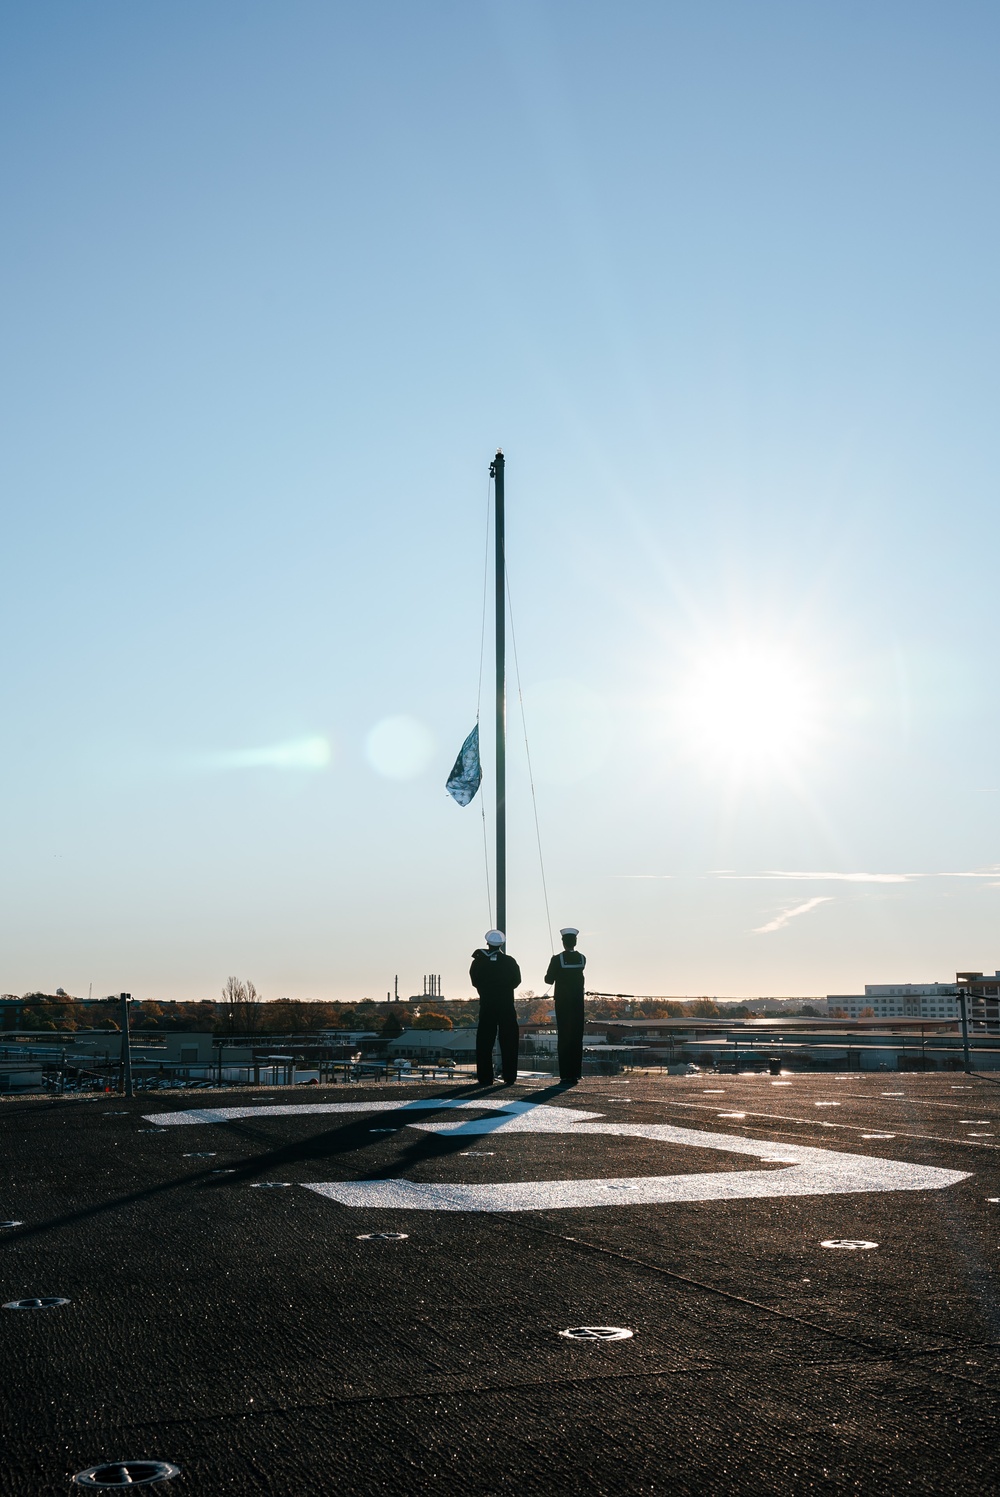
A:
<point x="126" y="1474"/>
<point x="11" y="1224"/>
<point x="851" y="1243"/>
<point x="46" y="1302"/>
<point x="271" y="1185"/>
<point x="597" y="1333"/>
<point x="382" y="1236"/>
<point x="211" y="1154"/>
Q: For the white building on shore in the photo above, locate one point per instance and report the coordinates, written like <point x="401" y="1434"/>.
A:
<point x="900" y="1000"/>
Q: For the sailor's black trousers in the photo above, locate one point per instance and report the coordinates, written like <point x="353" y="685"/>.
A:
<point x="569" y="1040"/>
<point x="497" y="1016"/>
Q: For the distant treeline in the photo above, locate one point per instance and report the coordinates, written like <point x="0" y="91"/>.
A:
<point x="241" y="1011"/>
<point x="54" y="1011"/>
<point x="700" y="1008"/>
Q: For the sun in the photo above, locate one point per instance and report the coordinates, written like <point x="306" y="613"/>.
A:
<point x="748" y="710"/>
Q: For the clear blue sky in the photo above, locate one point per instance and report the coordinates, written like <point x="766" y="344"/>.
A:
<point x="278" y="279"/>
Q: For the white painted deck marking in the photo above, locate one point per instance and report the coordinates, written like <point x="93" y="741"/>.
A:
<point x="295" y="1109"/>
<point x="811" y="1171"/>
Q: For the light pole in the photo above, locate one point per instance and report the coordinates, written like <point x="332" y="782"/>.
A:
<point x="126" y="1058"/>
<point x="963" y="998"/>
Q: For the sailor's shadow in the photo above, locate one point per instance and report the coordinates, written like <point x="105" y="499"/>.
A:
<point x="427" y="1146"/>
<point x="347" y="1139"/>
<point x="356" y="1134"/>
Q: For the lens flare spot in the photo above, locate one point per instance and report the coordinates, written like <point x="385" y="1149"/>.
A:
<point x="400" y="748"/>
<point x="300" y="753"/>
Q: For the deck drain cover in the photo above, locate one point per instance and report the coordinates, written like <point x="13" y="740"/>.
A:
<point x="47" y="1302"/>
<point x="383" y="1236"/>
<point x="11" y="1224"/>
<point x="126" y="1474"/>
<point x="597" y="1333"/>
<point x="270" y="1184"/>
<point x="848" y="1242"/>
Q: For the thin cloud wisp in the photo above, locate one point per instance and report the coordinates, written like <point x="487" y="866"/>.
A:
<point x="780" y="921"/>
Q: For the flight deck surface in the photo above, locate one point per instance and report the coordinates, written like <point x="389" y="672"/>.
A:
<point x="365" y="1289"/>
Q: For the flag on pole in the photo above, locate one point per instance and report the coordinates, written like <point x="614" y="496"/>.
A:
<point x="467" y="772"/>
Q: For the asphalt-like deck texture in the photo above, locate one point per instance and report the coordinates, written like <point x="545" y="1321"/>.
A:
<point x="254" y="1338"/>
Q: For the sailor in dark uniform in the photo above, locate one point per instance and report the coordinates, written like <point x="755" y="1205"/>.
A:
<point x="566" y="973"/>
<point x="495" y="975"/>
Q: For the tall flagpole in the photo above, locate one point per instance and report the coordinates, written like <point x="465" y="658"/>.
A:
<point x="496" y="472"/>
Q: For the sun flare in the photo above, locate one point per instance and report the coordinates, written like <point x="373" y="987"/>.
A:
<point x="748" y="710"/>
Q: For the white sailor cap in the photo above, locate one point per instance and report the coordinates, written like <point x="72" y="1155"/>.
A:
<point x="569" y="930"/>
<point x="495" y="938"/>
